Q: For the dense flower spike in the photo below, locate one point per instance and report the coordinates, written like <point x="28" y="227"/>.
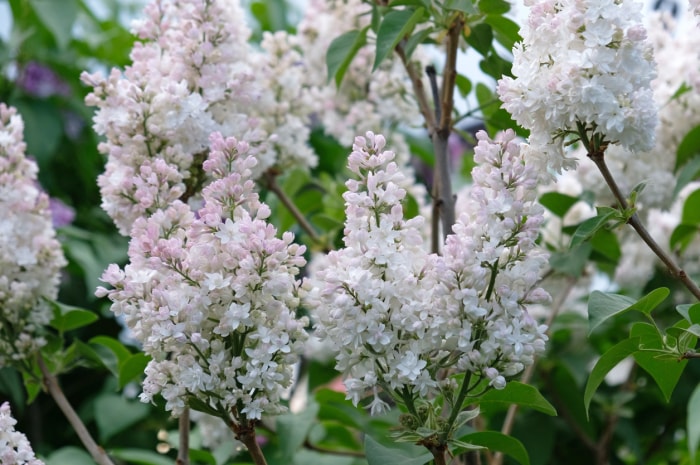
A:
<point x="493" y="264"/>
<point x="371" y="299"/>
<point x="396" y="314"/>
<point x="193" y="73"/>
<point x="30" y="255"/>
<point x="212" y="296"/>
<point x="14" y="447"/>
<point x="597" y="76"/>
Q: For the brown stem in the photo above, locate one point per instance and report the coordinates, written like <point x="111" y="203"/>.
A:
<point x="271" y="183"/>
<point x="676" y="271"/>
<point x="51" y="385"/>
<point x="441" y="180"/>
<point x="690" y="354"/>
<point x="414" y="74"/>
<point x="245" y="433"/>
<point x="439" y="454"/>
<point x="183" y="453"/>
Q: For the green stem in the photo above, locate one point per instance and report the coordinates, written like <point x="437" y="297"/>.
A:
<point x="456" y="407"/>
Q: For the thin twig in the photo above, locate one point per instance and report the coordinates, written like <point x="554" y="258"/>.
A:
<point x="51" y="385"/>
<point x="271" y="183"/>
<point x="183" y="453"/>
<point x="676" y="271"/>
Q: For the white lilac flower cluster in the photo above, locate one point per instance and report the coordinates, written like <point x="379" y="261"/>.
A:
<point x="212" y="296"/>
<point x="598" y="75"/>
<point x="396" y="314"/>
<point x="14" y="446"/>
<point x="678" y="57"/>
<point x="30" y="255"/>
<point x="193" y="73"/>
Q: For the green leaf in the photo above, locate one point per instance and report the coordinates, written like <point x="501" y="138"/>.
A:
<point x="418" y="38"/>
<point x="342" y="51"/>
<point x="666" y="372"/>
<point x="114" y="414"/>
<point x="293" y="429"/>
<point x="606" y="244"/>
<point x="682" y="236"/>
<point x="141" y="457"/>
<point x="69" y="454"/>
<point x="605" y="363"/>
<point x="689" y="172"/>
<point x="690" y="312"/>
<point x="558" y="203"/>
<point x="395" y="25"/>
<point x="689" y="147"/>
<point x="105" y="351"/>
<point x="650" y="301"/>
<point x="465" y="6"/>
<point x="604" y="305"/>
<point x="11" y="388"/>
<point x="201" y="406"/>
<point x="132" y="368"/>
<point x="495" y="7"/>
<point x="496" y="441"/>
<point x="43" y="128"/>
<point x="464" y="85"/>
<point x="377" y="454"/>
<point x="480" y="38"/>
<point x="590" y="226"/>
<point x="58" y="17"/>
<point x="691" y="209"/>
<point x="114" y="345"/>
<point x="67" y="317"/>
<point x="573" y="261"/>
<point x="693" y="427"/>
<point x="517" y="393"/>
<point x="197" y="456"/>
<point x="505" y="30"/>
<point x="464" y="416"/>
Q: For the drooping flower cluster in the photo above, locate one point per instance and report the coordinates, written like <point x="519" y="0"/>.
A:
<point x="677" y="96"/>
<point x="212" y="296"/>
<point x="397" y="314"/>
<point x="194" y="73"/>
<point x="30" y="255"/>
<point x="14" y="446"/>
<point x="598" y="75"/>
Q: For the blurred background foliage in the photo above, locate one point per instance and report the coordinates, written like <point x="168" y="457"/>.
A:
<point x="45" y="47"/>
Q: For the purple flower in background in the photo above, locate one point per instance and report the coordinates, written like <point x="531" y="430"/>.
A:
<point x="41" y="81"/>
<point x="61" y="214"/>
